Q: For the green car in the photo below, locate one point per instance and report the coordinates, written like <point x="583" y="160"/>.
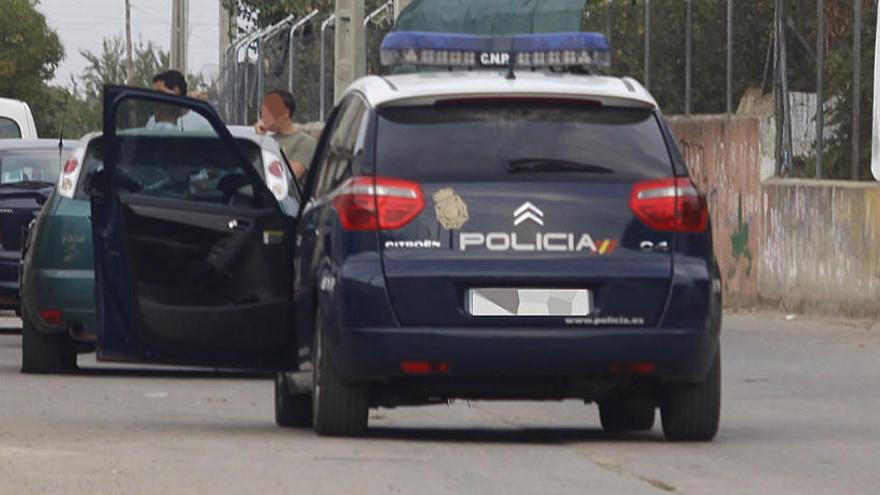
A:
<point x="57" y="278"/>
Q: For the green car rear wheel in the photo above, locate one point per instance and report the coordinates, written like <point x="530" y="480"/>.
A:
<point x="45" y="353"/>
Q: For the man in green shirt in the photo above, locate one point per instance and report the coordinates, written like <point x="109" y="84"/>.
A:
<point x="277" y="117"/>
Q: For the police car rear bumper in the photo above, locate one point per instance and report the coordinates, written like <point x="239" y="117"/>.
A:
<point x="675" y="355"/>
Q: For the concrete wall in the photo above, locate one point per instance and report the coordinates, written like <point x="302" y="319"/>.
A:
<point x="821" y="247"/>
<point x="724" y="157"/>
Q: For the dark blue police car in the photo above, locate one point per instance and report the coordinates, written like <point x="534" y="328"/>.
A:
<point x="505" y="227"/>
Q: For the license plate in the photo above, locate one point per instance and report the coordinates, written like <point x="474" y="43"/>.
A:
<point x="528" y="302"/>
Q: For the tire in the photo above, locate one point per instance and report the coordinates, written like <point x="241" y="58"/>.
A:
<point x="692" y="412"/>
<point x="292" y="409"/>
<point x="339" y="409"/>
<point x="619" y="416"/>
<point x="45" y="353"/>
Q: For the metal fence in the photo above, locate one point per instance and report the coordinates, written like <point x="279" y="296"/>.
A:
<point x="773" y="58"/>
<point x="295" y="54"/>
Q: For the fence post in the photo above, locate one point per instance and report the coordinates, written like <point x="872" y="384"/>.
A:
<point x="688" y="48"/>
<point x="608" y="28"/>
<point x="648" y="44"/>
<point x="729" y="57"/>
<point x="322" y="77"/>
<point x="857" y="86"/>
<point x="820" y="87"/>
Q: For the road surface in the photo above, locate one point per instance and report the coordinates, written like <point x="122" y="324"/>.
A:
<point x="801" y="414"/>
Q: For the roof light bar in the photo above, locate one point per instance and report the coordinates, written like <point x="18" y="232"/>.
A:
<point x="474" y="51"/>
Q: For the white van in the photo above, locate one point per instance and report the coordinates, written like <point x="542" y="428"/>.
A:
<point x="16" y="120"/>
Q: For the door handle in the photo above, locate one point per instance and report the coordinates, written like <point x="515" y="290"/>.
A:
<point x="236" y="224"/>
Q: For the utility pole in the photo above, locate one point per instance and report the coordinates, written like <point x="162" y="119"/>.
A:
<point x="179" y="24"/>
<point x="857" y="87"/>
<point x="399" y="6"/>
<point x="129" y="76"/>
<point x="351" y="60"/>
<point x="820" y="87"/>
<point x="226" y="27"/>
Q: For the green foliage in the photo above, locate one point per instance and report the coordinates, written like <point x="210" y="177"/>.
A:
<point x="753" y="35"/>
<point x="709" y="77"/>
<point x="29" y="55"/>
<point x="839" y="77"/>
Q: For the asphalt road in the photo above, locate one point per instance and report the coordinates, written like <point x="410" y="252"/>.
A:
<point x="801" y="415"/>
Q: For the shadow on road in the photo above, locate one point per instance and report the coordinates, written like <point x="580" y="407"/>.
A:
<point x="531" y="435"/>
<point x="169" y="373"/>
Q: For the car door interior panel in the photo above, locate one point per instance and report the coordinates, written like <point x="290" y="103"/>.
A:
<point x="198" y="256"/>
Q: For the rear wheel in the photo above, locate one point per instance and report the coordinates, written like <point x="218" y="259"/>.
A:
<point x="691" y="412"/>
<point x="292" y="408"/>
<point x="339" y="408"/>
<point x="619" y="415"/>
<point x="45" y="353"/>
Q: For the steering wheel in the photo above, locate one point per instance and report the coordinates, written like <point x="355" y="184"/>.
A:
<point x="230" y="184"/>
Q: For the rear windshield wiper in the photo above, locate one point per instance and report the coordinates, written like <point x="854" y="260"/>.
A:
<point x="28" y="184"/>
<point x="554" y="165"/>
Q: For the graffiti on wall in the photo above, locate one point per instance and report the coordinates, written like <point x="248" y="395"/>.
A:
<point x="723" y="155"/>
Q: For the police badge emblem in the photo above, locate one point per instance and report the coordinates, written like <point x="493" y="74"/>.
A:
<point x="451" y="210"/>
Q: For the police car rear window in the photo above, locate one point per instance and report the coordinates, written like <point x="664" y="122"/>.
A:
<point x="529" y="141"/>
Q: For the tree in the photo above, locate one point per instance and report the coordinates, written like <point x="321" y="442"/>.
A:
<point x="30" y="52"/>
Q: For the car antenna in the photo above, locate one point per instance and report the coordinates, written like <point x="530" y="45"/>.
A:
<point x="511" y="59"/>
<point x="63" y="118"/>
<point x="511" y="75"/>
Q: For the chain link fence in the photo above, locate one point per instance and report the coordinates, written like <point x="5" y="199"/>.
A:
<point x="295" y="54"/>
<point x="766" y="58"/>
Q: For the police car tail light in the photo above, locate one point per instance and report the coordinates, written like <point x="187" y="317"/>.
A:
<point x="671" y="205"/>
<point x="368" y="203"/>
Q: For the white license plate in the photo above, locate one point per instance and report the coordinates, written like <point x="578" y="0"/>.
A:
<point x="528" y="302"/>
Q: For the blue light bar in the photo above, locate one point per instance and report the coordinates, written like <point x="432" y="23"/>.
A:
<point x="474" y="51"/>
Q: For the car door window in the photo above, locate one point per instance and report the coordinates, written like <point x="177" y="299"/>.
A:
<point x="9" y="129"/>
<point x="341" y="148"/>
<point x="167" y="151"/>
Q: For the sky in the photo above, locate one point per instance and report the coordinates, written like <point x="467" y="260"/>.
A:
<point x="82" y="24"/>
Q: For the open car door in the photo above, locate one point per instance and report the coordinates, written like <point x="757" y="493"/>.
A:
<point x="193" y="254"/>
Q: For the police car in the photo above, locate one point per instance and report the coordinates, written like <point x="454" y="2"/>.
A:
<point x="492" y="221"/>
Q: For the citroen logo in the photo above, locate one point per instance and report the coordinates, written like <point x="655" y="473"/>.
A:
<point x="528" y="211"/>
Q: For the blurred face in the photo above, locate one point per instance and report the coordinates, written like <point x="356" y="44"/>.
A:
<point x="166" y="113"/>
<point x="160" y="86"/>
<point x="274" y="114"/>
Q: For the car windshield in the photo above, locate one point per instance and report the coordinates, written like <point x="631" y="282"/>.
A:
<point x="30" y="166"/>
